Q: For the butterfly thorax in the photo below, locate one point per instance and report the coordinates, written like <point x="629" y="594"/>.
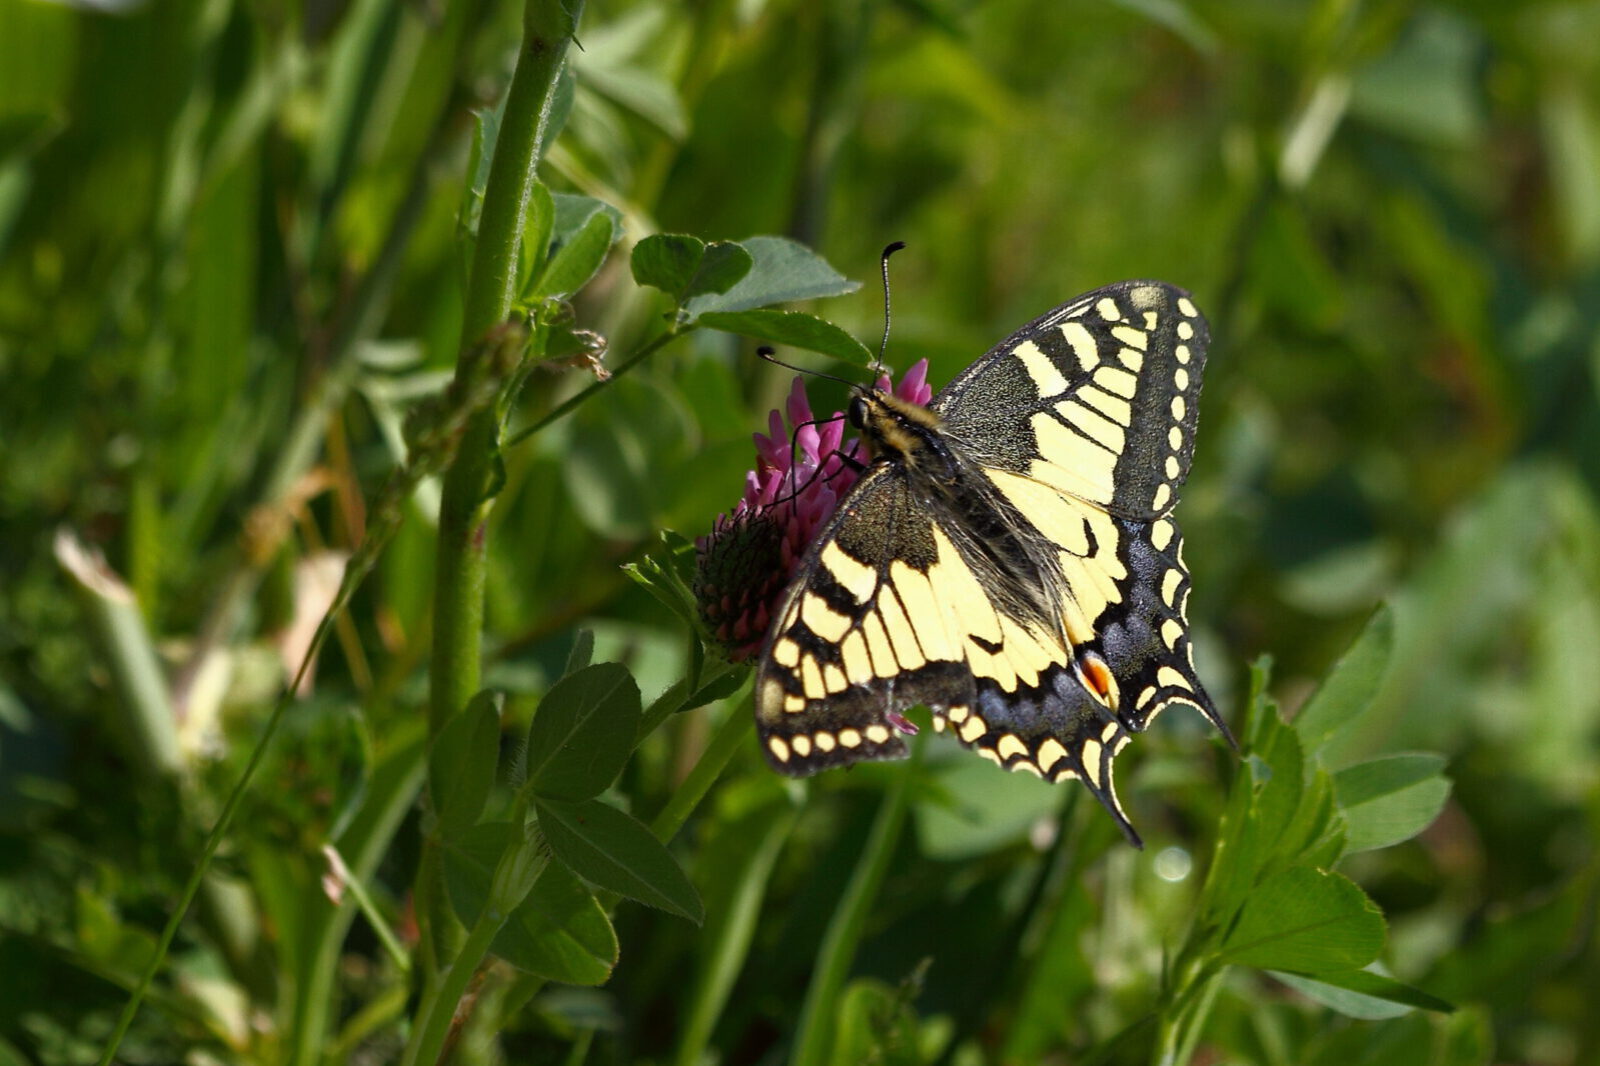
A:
<point x="903" y="432"/>
<point x="999" y="544"/>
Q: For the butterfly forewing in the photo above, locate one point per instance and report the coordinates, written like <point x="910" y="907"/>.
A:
<point x="855" y="637"/>
<point x="1033" y="593"/>
<point x="1098" y="398"/>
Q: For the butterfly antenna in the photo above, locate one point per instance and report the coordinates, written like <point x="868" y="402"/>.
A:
<point x="883" y="264"/>
<point x="770" y="355"/>
<point x="766" y="352"/>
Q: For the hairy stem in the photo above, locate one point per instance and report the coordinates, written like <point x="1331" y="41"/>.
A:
<point x="464" y="506"/>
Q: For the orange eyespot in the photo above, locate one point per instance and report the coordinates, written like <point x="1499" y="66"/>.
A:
<point x="1095" y="674"/>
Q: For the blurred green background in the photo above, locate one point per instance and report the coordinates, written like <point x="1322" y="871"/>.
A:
<point x="231" y="258"/>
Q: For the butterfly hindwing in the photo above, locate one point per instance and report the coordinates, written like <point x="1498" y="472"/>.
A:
<point x="1105" y="397"/>
<point x="1145" y="639"/>
<point x="1008" y="559"/>
<point x="897" y="611"/>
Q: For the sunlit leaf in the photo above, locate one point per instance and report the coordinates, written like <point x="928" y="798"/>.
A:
<point x="577" y="259"/>
<point x="1305" y="920"/>
<point x="1362" y="993"/>
<point x="781" y="271"/>
<point x="1350" y="686"/>
<point x="1390" y="799"/>
<point x="794" y="328"/>
<point x="536" y="230"/>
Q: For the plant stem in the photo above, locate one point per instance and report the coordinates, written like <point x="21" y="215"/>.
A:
<point x="735" y="728"/>
<point x="354" y="884"/>
<point x="521" y="864"/>
<point x="813" y="1042"/>
<point x="577" y="398"/>
<point x="458" y="590"/>
<point x="191" y="888"/>
<point x="548" y="27"/>
<point x="1182" y="1015"/>
<point x="392" y="789"/>
<point x="459" y="576"/>
<point x="730" y="932"/>
<point x="148" y="722"/>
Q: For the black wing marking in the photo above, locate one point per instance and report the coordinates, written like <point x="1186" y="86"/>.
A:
<point x="1074" y="436"/>
<point x="897" y="606"/>
<point x="845" y="647"/>
<point x="1098" y="398"/>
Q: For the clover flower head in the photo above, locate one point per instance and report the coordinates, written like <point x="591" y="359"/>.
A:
<point x="804" y="467"/>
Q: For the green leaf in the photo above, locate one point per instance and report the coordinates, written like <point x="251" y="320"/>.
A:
<point x="561" y="103"/>
<point x="1316" y="835"/>
<point x="24" y="133"/>
<point x="1262" y="827"/>
<point x="536" y="229"/>
<point x="725" y="263"/>
<point x="614" y="850"/>
<point x="647" y="95"/>
<point x="719" y="686"/>
<point x="573" y="212"/>
<point x="874" y="1022"/>
<point x="1350" y="686"/>
<point x="621" y="454"/>
<point x="667" y="573"/>
<point x="1278" y="762"/>
<point x="1305" y="920"/>
<point x="582" y="653"/>
<point x="1425" y="86"/>
<point x="578" y="259"/>
<point x="461" y="766"/>
<point x="661" y="584"/>
<point x="1572" y="136"/>
<point x="583" y="732"/>
<point x="795" y="328"/>
<point x="683" y="266"/>
<point x="1297" y="281"/>
<point x="620" y="62"/>
<point x="559" y="931"/>
<point x="1363" y="994"/>
<point x="742" y="848"/>
<point x="1390" y="799"/>
<point x="781" y="271"/>
<point x="1064" y="967"/>
<point x="485" y="134"/>
<point x="1178" y="18"/>
<point x="667" y="261"/>
<point x="1232" y="870"/>
<point x="10" y="1056"/>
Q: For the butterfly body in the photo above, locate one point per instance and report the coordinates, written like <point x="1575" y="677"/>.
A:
<point x="1007" y="558"/>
